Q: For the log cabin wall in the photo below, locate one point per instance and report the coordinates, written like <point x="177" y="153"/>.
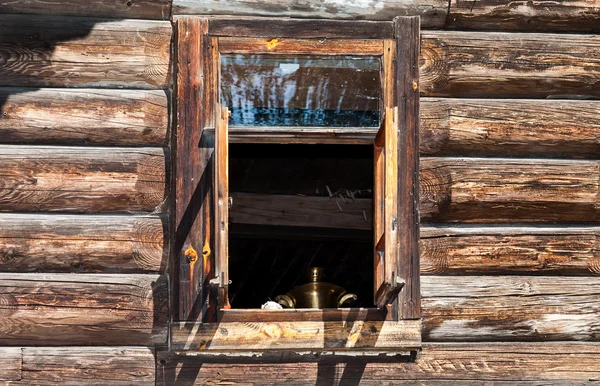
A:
<point x="510" y="193"/>
<point x="84" y="113"/>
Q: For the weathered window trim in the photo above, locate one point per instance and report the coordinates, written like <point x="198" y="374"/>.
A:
<point x="200" y="321"/>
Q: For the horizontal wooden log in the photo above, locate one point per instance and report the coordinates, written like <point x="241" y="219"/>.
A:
<point x="432" y="12"/>
<point x="82" y="309"/>
<point x="10" y="363"/>
<point x="260" y="209"/>
<point x="82" y="243"/>
<point x="438" y="364"/>
<point x="81" y="117"/>
<point x="94" y="366"/>
<point x="500" y="250"/>
<point x="518" y="15"/>
<point x="510" y="308"/>
<point x="123" y="9"/>
<point x="509" y="190"/>
<point x="43" y="51"/>
<point x="516" y="128"/>
<point x="76" y="179"/>
<point x="509" y="65"/>
<point x="301" y="335"/>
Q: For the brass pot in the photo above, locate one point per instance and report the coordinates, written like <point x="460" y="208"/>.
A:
<point x="317" y="294"/>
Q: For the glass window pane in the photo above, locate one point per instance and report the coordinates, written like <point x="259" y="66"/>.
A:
<point x="280" y="90"/>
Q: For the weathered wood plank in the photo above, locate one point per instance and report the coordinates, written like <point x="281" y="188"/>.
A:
<point x="407" y="32"/>
<point x="432" y="12"/>
<point x="301" y="134"/>
<point x="518" y="15"/>
<point x="81" y="117"/>
<point x="438" y="364"/>
<point x="94" y="366"/>
<point x="303" y="335"/>
<point x="510" y="308"/>
<point x="509" y="190"/>
<point x="519" y="128"/>
<point x="500" y="250"/>
<point x="299" y="29"/>
<point x="262" y="209"/>
<point x="82" y="243"/>
<point x="509" y="65"/>
<point x="302" y="315"/>
<point x="75" y="179"/>
<point x="78" y="52"/>
<point x="193" y="164"/>
<point x="122" y="9"/>
<point x="10" y="363"/>
<point x="83" y="309"/>
<point x="298" y="46"/>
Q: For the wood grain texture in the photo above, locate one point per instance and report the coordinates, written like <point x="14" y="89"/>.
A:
<point x="298" y="46"/>
<point x="93" y="366"/>
<point x="468" y="250"/>
<point x="438" y="364"/>
<point x="82" y="309"/>
<point x="10" y="363"/>
<point x="510" y="308"/>
<point x="122" y="9"/>
<point x="82" y="243"/>
<point x="407" y="32"/>
<point x="432" y="12"/>
<point x="222" y="202"/>
<point x="82" y="117"/>
<point x="262" y="209"/>
<point x="517" y="15"/>
<point x="193" y="174"/>
<point x="44" y="51"/>
<point x="509" y="190"/>
<point x="303" y="335"/>
<point x="299" y="29"/>
<point x="509" y="65"/>
<point x="510" y="128"/>
<point x="301" y="134"/>
<point x="76" y="179"/>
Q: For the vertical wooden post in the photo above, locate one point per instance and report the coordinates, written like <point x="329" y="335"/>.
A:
<point x="407" y="33"/>
<point x="192" y="161"/>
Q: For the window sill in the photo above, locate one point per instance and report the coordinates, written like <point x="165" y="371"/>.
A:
<point x="331" y="330"/>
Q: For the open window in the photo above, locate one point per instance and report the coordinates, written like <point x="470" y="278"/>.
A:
<point x="369" y="100"/>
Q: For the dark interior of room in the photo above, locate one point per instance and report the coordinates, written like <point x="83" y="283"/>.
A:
<point x="269" y="260"/>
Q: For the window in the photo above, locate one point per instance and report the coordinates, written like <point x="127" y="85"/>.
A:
<point x="262" y="81"/>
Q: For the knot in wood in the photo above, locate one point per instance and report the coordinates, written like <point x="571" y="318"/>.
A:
<point x="191" y="254"/>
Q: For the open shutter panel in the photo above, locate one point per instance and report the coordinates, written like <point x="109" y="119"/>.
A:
<point x="388" y="283"/>
<point x="193" y="148"/>
<point x="221" y="185"/>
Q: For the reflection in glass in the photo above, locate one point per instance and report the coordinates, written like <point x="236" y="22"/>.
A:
<point x="280" y="90"/>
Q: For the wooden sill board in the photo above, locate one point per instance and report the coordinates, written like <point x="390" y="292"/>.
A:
<point x="318" y="336"/>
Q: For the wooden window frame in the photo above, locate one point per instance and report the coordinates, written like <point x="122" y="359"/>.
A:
<point x="201" y="320"/>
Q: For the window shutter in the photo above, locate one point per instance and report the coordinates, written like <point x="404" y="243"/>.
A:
<point x="387" y="282"/>
<point x="193" y="148"/>
<point x="221" y="185"/>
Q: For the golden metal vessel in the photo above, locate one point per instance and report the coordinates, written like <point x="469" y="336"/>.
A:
<point x="317" y="294"/>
